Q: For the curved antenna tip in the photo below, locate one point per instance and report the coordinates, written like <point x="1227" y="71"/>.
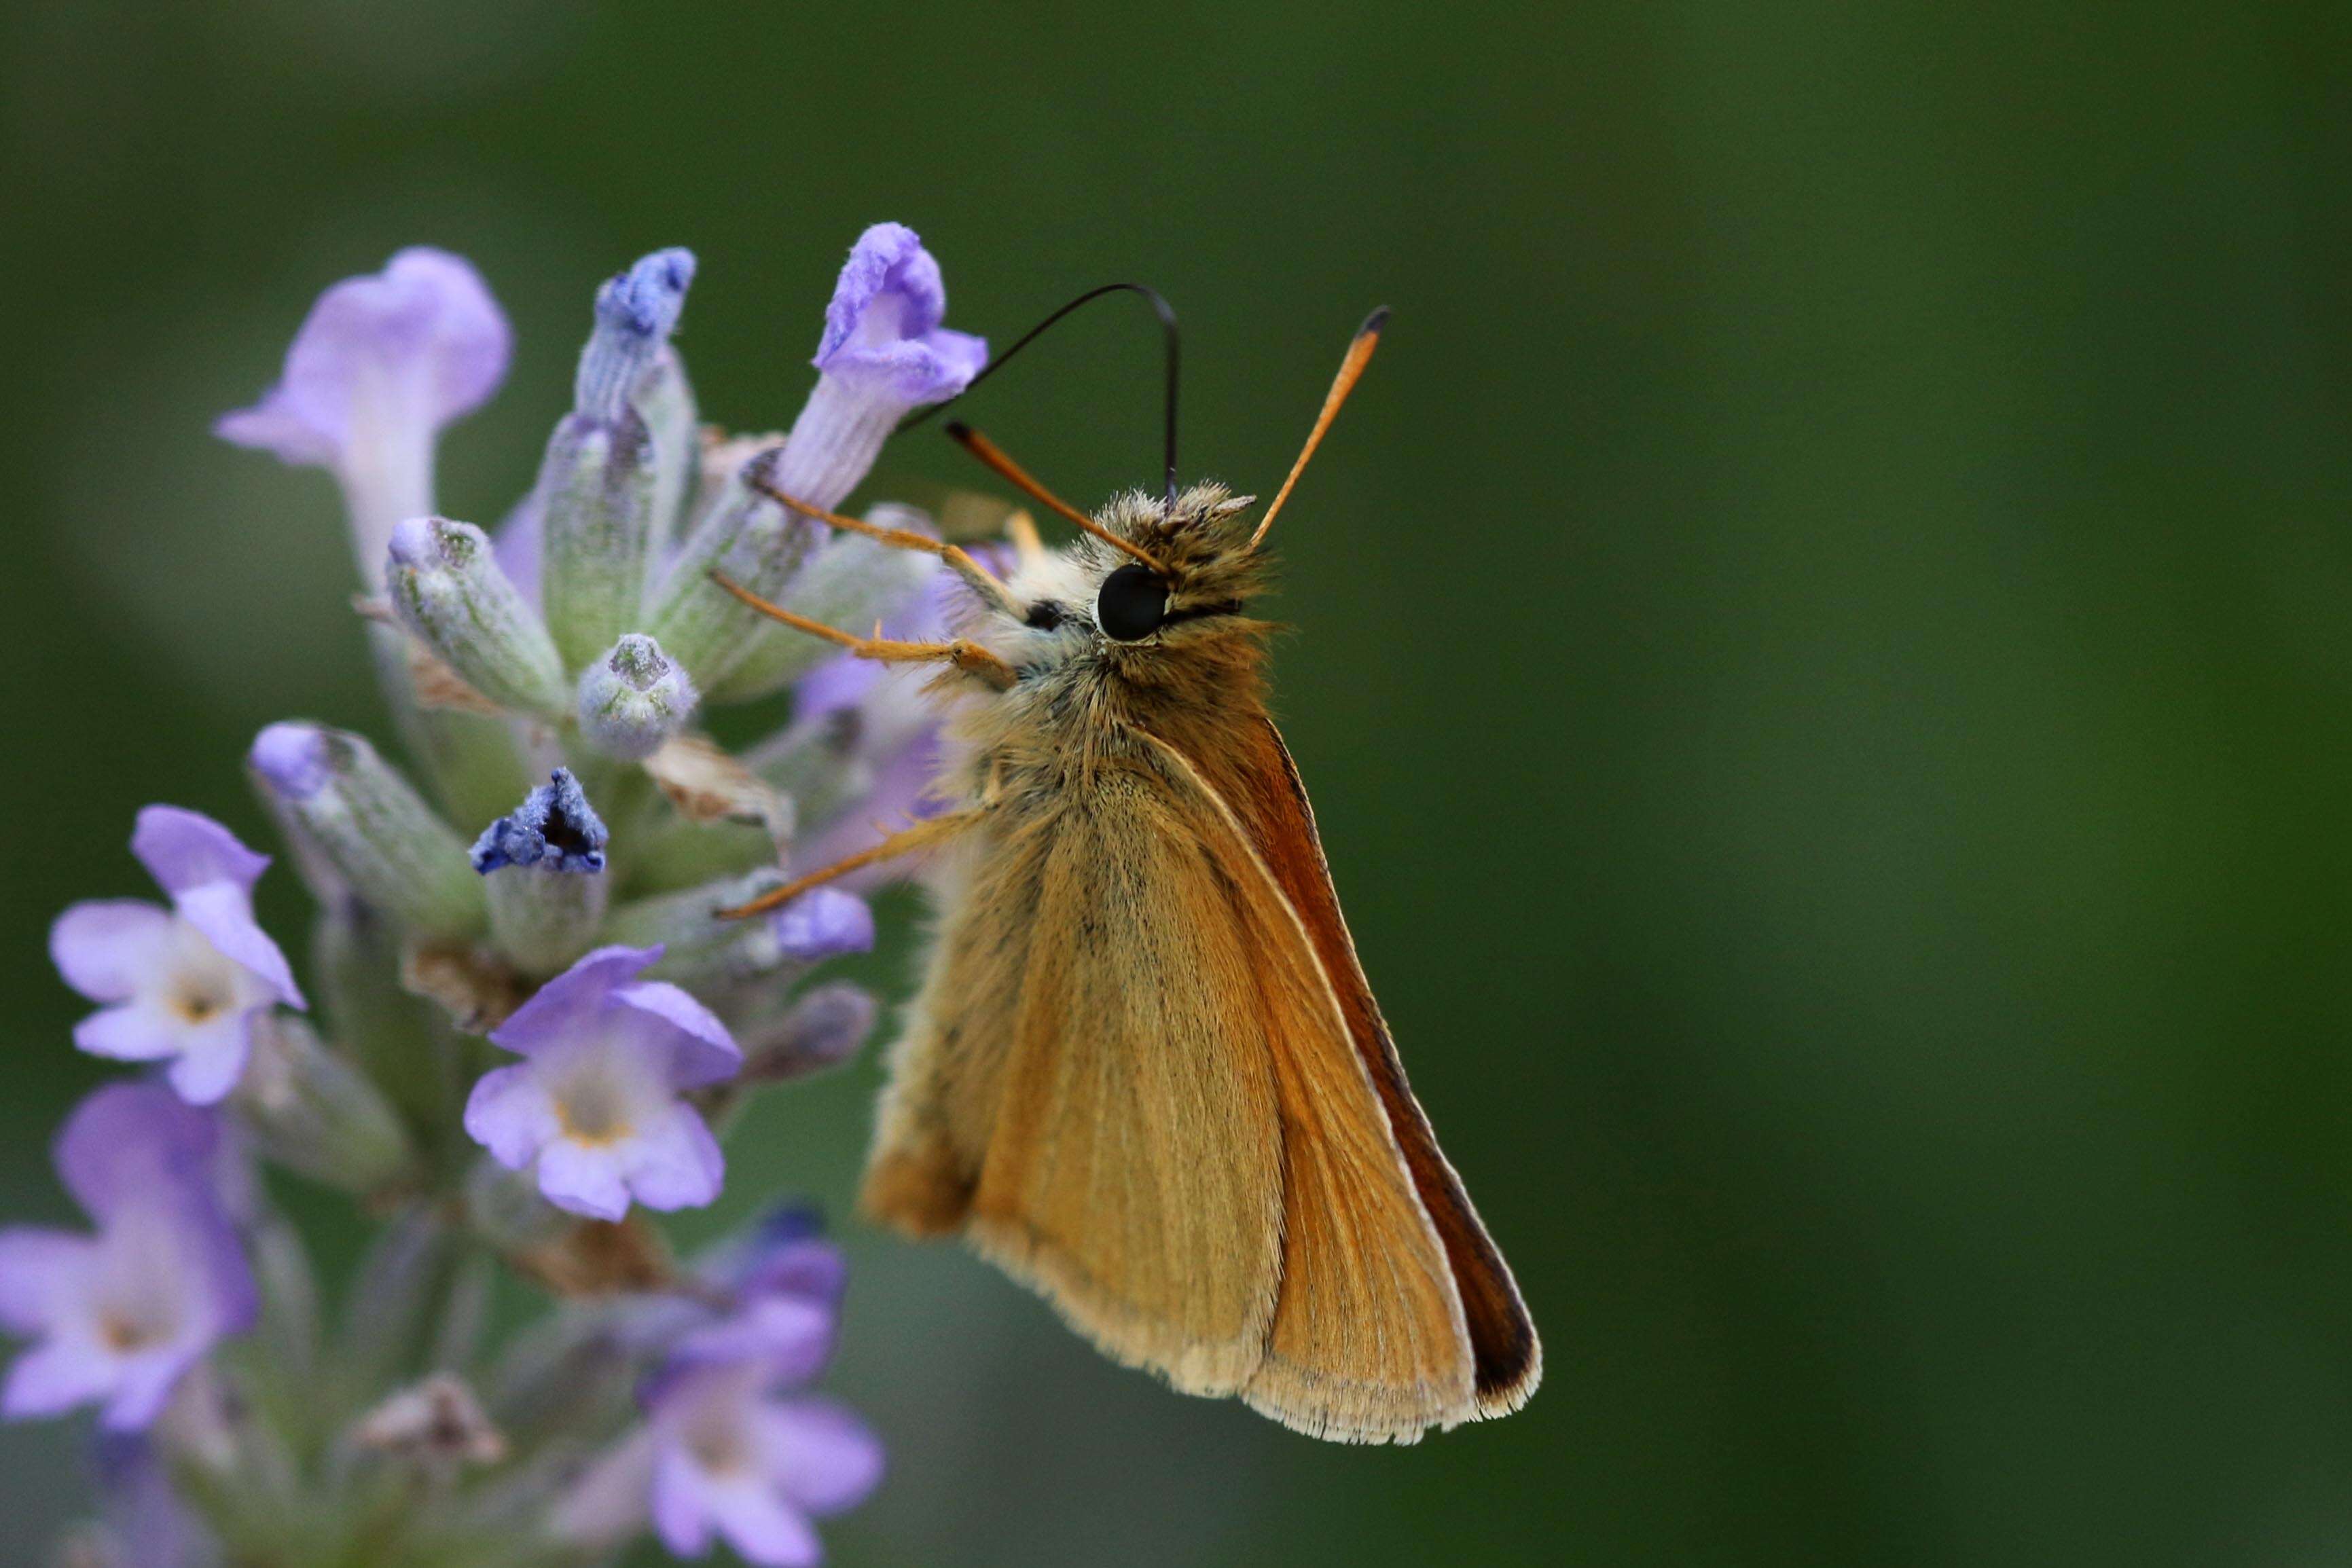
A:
<point x="1373" y="323"/>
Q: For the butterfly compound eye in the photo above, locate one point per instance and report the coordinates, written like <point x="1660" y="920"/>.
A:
<point x="1133" y="603"/>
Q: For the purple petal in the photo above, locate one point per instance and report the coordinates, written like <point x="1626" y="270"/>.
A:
<point x="790" y="1336"/>
<point x="54" y="1378"/>
<point x="882" y="327"/>
<point x="212" y="1057"/>
<point x="130" y="1032"/>
<point x="701" y="1051"/>
<point x="636" y="312"/>
<point x="418" y="344"/>
<point x="224" y="914"/>
<point x="675" y="1163"/>
<point x="810" y="1268"/>
<point x="511" y="1115"/>
<point x="583" y="1181"/>
<point x="185" y="850"/>
<point x="573" y="1000"/>
<point x="823" y="923"/>
<point x="104" y="947"/>
<point x="759" y="1526"/>
<point x="42" y="1273"/>
<point x="130" y="1142"/>
<point x="676" y="1502"/>
<point x="143" y="1385"/>
<point x="229" y="1300"/>
<point x="822" y="1456"/>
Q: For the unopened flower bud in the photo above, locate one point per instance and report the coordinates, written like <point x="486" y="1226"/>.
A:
<point x="597" y="486"/>
<point x="310" y="1109"/>
<point x="822" y="1029"/>
<point x="636" y="312"/>
<point x="447" y="586"/>
<point x="370" y="824"/>
<point x="634" y="699"/>
<point x="543" y="866"/>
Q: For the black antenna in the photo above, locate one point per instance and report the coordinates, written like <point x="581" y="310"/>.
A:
<point x="1161" y="308"/>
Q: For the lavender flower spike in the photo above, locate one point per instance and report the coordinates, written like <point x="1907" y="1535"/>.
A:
<point x="380" y="365"/>
<point x="594" y="1108"/>
<point x="121" y="1316"/>
<point x="180" y="985"/>
<point x="722" y="1455"/>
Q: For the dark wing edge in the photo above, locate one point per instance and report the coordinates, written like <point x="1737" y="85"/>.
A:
<point x="1273" y="806"/>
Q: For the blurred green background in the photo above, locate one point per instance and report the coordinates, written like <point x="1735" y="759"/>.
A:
<point x="1825" y="657"/>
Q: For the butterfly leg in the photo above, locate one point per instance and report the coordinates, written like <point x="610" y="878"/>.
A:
<point x="906" y="841"/>
<point x="975" y="575"/>
<point x="968" y="657"/>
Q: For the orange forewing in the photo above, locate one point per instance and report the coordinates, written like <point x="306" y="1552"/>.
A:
<point x="1368" y="1342"/>
<point x="1259" y="781"/>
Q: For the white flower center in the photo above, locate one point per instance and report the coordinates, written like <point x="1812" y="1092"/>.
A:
<point x="604" y="1091"/>
<point x="714" y="1430"/>
<point x="197" y="983"/>
<point x="595" y="1111"/>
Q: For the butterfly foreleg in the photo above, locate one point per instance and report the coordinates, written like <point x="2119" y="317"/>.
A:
<point x="970" y="658"/>
<point x="922" y="836"/>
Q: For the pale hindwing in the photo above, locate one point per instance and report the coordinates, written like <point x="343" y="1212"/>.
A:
<point x="947" y="1071"/>
<point x="1369" y="1342"/>
<point x="1134" y="1171"/>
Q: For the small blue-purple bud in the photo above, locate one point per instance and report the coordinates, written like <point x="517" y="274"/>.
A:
<point x="555" y="829"/>
<point x="547" y="897"/>
<point x="634" y="699"/>
<point x="636" y="312"/>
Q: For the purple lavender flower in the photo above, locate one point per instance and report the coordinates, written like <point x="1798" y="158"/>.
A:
<point x="595" y="1105"/>
<point x="380" y="364"/>
<point x="724" y="1454"/>
<point x="121" y="1316"/>
<point x="780" y="1292"/>
<point x="883" y="353"/>
<point x="719" y="1458"/>
<point x="181" y="984"/>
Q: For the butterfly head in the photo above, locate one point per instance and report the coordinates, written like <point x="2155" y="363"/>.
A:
<point x="1188" y="577"/>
